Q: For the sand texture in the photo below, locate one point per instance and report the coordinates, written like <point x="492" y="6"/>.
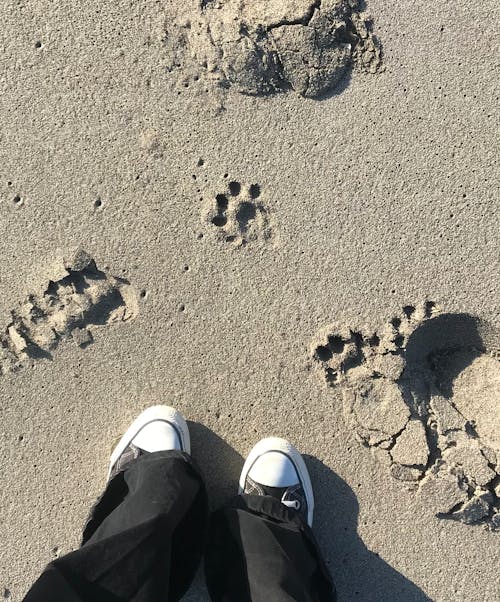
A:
<point x="282" y="218"/>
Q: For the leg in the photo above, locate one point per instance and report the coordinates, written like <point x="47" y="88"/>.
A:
<point x="144" y="538"/>
<point x="261" y="546"/>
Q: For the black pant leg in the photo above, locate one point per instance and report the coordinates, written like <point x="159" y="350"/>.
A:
<point x="261" y="551"/>
<point x="143" y="541"/>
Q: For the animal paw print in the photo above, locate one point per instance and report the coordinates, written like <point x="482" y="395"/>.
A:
<point x="238" y="216"/>
<point x="421" y="393"/>
<point x="375" y="354"/>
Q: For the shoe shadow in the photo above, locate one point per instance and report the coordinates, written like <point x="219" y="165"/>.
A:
<point x="219" y="463"/>
<point x="358" y="573"/>
<point x="220" y="466"/>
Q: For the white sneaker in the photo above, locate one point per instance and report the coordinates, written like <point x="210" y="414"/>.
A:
<point x="274" y="467"/>
<point x="158" y="428"/>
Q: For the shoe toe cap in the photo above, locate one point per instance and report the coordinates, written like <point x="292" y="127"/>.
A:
<point x="274" y="469"/>
<point x="158" y="435"/>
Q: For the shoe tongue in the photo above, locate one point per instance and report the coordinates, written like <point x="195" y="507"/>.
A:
<point x="276" y="492"/>
<point x="288" y="496"/>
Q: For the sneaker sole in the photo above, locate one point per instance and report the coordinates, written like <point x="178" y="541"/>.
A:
<point x="285" y="447"/>
<point x="152" y="414"/>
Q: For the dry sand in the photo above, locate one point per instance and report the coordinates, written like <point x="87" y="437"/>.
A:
<point x="318" y="260"/>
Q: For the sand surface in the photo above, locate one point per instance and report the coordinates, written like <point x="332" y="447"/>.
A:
<point x="310" y="261"/>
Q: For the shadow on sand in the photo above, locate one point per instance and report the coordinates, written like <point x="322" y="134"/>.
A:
<point x="446" y="345"/>
<point x="219" y="463"/>
<point x="359" y="574"/>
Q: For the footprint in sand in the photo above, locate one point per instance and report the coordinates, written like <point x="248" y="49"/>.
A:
<point x="423" y="395"/>
<point x="238" y="216"/>
<point x="76" y="297"/>
<point x="263" y="47"/>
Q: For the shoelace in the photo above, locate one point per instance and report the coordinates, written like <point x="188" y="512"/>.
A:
<point x="291" y="503"/>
